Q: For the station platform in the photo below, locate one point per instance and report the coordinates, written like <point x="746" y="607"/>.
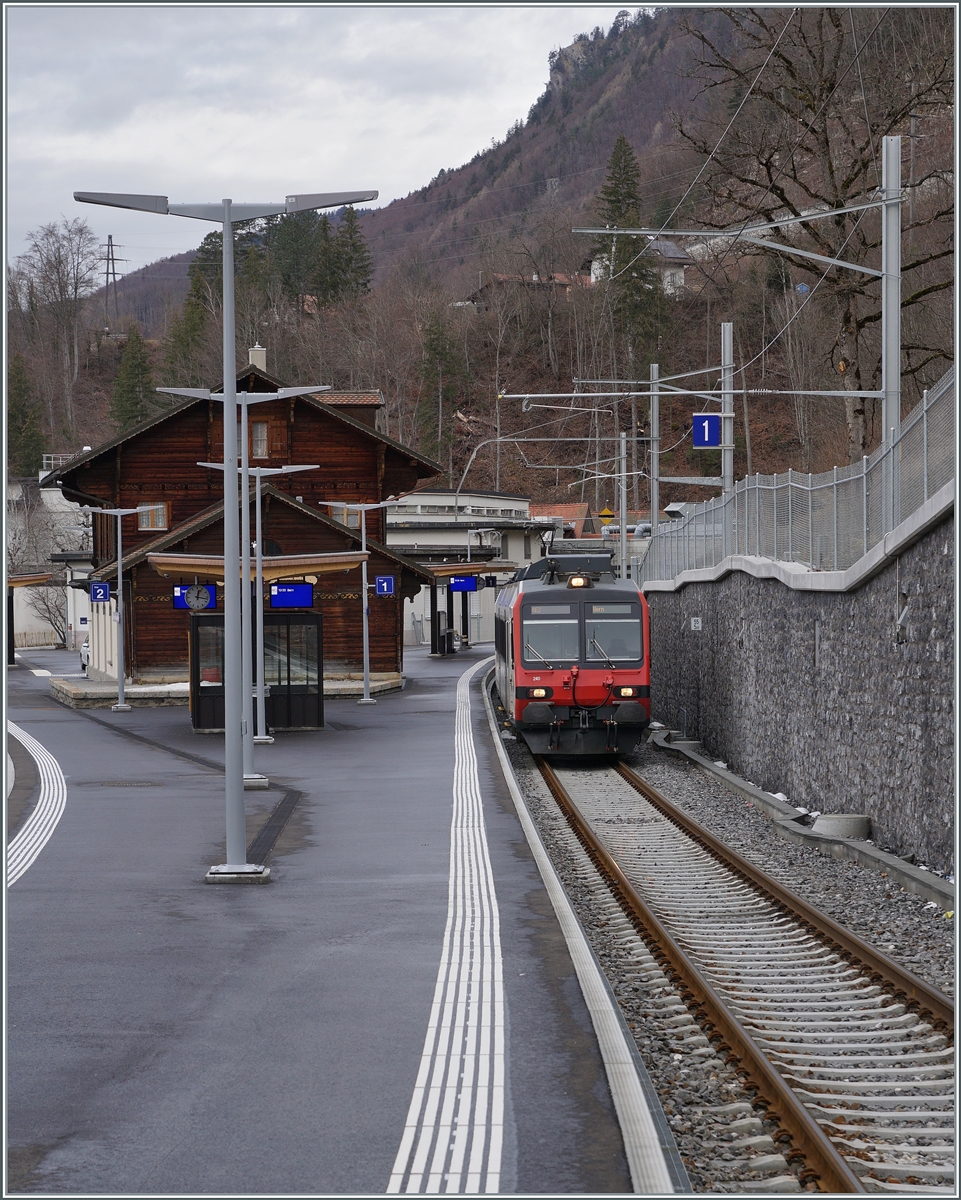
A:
<point x="397" y="1011"/>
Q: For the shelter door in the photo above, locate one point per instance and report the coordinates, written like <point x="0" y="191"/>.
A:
<point x="293" y="670"/>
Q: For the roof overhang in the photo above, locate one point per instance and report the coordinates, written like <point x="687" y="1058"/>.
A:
<point x="279" y="566"/>
<point x="15" y="581"/>
<point x="445" y="570"/>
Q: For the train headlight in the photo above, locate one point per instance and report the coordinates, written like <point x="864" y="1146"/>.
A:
<point x="625" y="691"/>
<point x="538" y="693"/>
<point x="579" y="581"/>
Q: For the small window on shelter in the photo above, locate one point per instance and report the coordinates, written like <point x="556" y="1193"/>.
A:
<point x="258" y="440"/>
<point x="151" y="516"/>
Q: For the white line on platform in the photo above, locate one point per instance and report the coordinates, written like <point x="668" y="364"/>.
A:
<point x="453" y="1136"/>
<point x="26" y="846"/>
<point x="650" y="1173"/>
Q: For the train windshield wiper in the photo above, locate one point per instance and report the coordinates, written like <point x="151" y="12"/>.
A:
<point x="530" y="650"/>
<point x="595" y="642"/>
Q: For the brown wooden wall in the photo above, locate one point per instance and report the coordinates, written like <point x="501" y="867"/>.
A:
<point x="159" y="631"/>
<point x="160" y="466"/>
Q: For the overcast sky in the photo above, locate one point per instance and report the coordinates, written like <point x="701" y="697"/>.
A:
<point x="254" y="102"/>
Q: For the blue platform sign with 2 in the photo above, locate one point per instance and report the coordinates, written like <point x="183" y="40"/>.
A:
<point x="706" y="431"/>
<point x="384" y="585"/>
<point x="99" y="593"/>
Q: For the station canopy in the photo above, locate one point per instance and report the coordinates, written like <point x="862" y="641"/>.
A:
<point x="275" y="566"/>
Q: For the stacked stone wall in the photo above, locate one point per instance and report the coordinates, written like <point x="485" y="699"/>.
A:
<point x="822" y="695"/>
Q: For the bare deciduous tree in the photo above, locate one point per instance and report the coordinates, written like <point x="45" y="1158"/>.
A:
<point x="49" y="286"/>
<point x="812" y="93"/>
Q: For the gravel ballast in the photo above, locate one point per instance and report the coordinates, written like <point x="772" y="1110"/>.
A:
<point x="726" y="1145"/>
<point x="902" y="925"/>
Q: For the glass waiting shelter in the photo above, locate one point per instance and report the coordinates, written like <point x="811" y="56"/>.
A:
<point x="293" y="670"/>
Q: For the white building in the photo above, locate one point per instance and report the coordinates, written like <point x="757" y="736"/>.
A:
<point x="491" y="527"/>
<point x="45" y="532"/>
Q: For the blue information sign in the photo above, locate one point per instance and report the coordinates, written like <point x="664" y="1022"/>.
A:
<point x="463" y="583"/>
<point x="196" y="596"/>
<point x="707" y="431"/>
<point x="99" y="593"/>
<point x="291" y="595"/>
<point x="384" y="585"/>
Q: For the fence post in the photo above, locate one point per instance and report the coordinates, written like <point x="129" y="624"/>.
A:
<point x="724" y="508"/>
<point x="811" y="522"/>
<point x="835" y="489"/>
<point x="864" y="499"/>
<point x="757" y="513"/>
<point x="924" y="425"/>
<point x="774" y="555"/>
<point x="790" y="519"/>
<point x="895" y="483"/>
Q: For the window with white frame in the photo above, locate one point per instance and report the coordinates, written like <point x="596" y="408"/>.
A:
<point x="258" y="440"/>
<point x="151" y="516"/>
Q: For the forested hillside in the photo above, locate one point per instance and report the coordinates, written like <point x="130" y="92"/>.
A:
<point x="475" y="287"/>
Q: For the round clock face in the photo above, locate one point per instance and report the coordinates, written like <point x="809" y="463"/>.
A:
<point x="197" y="596"/>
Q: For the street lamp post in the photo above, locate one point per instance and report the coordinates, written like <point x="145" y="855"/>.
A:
<point x="236" y="868"/>
<point x="363" y="509"/>
<point x="119" y="513"/>
<point x="260" y="736"/>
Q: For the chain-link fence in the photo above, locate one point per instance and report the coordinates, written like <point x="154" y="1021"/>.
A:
<point x="827" y="521"/>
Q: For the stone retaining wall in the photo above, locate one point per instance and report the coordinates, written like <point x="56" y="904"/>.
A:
<point x="820" y="695"/>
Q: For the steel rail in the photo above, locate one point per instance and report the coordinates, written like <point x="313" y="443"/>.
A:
<point x="884" y="971"/>
<point x="822" y="1162"/>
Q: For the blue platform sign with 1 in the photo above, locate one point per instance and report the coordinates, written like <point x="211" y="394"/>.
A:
<point x="384" y="585"/>
<point x="99" y="593"/>
<point x="706" y="431"/>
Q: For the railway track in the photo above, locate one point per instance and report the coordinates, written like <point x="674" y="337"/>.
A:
<point x="850" y="1054"/>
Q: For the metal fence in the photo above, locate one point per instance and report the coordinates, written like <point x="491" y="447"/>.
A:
<point x="52" y="461"/>
<point x="827" y="521"/>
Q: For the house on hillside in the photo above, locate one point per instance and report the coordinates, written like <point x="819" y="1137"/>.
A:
<point x="667" y="258"/>
<point x="563" y="283"/>
<point x="154" y="468"/>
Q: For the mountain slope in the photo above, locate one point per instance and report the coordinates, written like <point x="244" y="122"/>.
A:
<point x="601" y="86"/>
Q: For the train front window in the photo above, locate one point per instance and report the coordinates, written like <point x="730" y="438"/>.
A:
<point x="611" y="636"/>
<point x="550" y="642"/>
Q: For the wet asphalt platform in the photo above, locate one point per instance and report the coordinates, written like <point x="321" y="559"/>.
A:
<point x="170" y="1037"/>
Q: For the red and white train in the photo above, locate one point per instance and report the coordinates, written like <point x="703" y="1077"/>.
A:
<point x="572" y="648"/>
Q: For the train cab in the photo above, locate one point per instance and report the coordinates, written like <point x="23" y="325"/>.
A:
<point x="572" y="656"/>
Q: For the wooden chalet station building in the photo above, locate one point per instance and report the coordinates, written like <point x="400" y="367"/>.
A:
<point x="154" y="468"/>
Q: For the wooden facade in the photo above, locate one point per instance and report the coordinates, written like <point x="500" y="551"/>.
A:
<point x="156" y="463"/>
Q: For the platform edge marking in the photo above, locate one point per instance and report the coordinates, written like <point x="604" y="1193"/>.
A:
<point x="650" y="1174"/>
<point x="25" y="848"/>
<point x="457" y="1108"/>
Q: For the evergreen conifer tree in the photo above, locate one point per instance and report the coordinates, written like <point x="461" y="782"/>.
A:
<point x="24" y="435"/>
<point x="619" y="200"/>
<point x="133" y="394"/>
<point x="356" y="268"/>
<point x="184" y="344"/>
<point x="636" y="284"/>
<point x="327" y="276"/>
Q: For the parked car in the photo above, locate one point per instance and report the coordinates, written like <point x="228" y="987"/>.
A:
<point x="85" y="654"/>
